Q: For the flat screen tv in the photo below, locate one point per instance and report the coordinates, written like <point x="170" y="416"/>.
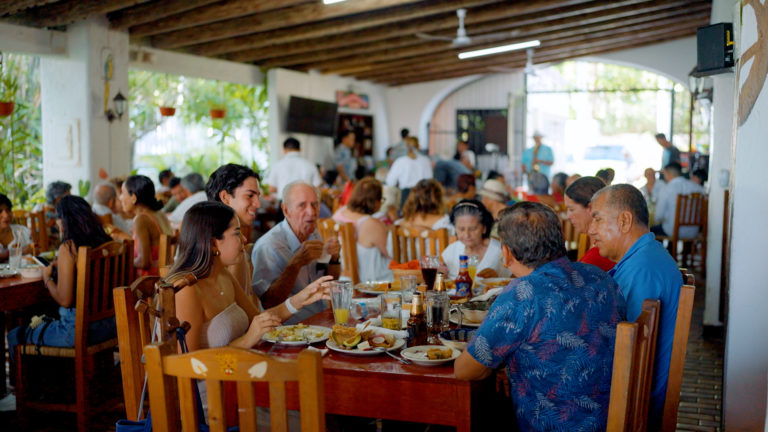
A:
<point x="311" y="116"/>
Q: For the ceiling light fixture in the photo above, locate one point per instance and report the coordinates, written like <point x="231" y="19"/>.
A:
<point x="332" y="1"/>
<point x="499" y="49"/>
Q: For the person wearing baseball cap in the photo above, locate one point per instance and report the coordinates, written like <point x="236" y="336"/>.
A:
<point x="539" y="157"/>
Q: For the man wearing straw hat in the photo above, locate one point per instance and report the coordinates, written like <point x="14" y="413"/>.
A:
<point x="539" y="157"/>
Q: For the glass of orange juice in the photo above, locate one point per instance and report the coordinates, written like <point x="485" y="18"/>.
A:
<point x="472" y="263"/>
<point x="341" y="300"/>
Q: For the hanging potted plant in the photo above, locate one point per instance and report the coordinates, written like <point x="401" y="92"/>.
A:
<point x="167" y="108"/>
<point x="8" y="87"/>
<point x="167" y="111"/>
<point x="218" y="112"/>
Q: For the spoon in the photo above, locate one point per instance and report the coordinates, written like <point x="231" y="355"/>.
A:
<point x="400" y="359"/>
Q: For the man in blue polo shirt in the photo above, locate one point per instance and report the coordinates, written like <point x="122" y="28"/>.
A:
<point x="553" y="328"/>
<point x="644" y="270"/>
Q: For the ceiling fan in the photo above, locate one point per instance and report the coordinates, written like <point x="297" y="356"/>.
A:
<point x="462" y="39"/>
<point x="529" y="69"/>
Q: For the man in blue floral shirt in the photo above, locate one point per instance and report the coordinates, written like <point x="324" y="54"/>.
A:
<point x="553" y="327"/>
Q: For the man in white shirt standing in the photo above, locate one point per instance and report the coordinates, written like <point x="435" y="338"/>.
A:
<point x="292" y="167"/>
<point x="666" y="202"/>
<point x="409" y="169"/>
<point x="190" y="191"/>
<point x="106" y="202"/>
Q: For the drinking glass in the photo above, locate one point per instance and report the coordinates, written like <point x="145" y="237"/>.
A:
<point x="472" y="262"/>
<point x="429" y="264"/>
<point x="341" y="299"/>
<point x="14" y="257"/>
<point x="408" y="286"/>
<point x="391" y="305"/>
<point x="437" y="306"/>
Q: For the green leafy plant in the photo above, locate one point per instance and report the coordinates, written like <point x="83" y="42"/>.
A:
<point x="9" y="82"/>
<point x="83" y="187"/>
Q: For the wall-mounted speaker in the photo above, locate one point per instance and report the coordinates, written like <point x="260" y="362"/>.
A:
<point x="714" y="46"/>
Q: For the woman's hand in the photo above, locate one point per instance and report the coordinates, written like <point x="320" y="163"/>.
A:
<point x="317" y="290"/>
<point x="260" y="325"/>
<point x="48" y="271"/>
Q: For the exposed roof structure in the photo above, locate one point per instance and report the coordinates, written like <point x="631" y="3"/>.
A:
<point x="377" y="40"/>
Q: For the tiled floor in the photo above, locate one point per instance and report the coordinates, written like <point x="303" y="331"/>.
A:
<point x="700" y="399"/>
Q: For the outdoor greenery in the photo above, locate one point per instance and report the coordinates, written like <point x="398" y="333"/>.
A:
<point x="21" y="155"/>
<point x="246" y="106"/>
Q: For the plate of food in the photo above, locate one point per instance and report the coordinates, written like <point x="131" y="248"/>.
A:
<point x="348" y="340"/>
<point x="299" y="334"/>
<point x="6" y="272"/>
<point x="430" y="355"/>
<point x="377" y="287"/>
<point x="454" y="318"/>
<point x="494" y="282"/>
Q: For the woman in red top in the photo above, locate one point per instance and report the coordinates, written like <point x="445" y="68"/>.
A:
<point x="577" y="197"/>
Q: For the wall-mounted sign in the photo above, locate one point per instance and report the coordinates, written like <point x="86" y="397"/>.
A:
<point x="348" y="99"/>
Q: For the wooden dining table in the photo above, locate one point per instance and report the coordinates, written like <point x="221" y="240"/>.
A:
<point x="379" y="386"/>
<point x="17" y="293"/>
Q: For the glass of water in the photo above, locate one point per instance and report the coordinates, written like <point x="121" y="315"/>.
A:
<point x="14" y="257"/>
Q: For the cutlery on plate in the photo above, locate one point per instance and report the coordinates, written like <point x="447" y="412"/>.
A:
<point x="400" y="359"/>
<point x="277" y="342"/>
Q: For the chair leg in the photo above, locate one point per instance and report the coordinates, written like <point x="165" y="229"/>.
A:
<point x="21" y="389"/>
<point x="82" y="389"/>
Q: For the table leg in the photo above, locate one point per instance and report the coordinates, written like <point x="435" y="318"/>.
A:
<point x="3" y="388"/>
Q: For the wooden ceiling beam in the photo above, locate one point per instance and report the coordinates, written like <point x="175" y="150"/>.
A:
<point x="278" y="19"/>
<point x="573" y="54"/>
<point x="565" y="44"/>
<point x="400" y="27"/>
<point x="323" y="29"/>
<point x="212" y="13"/>
<point x="387" y="51"/>
<point x="69" y="11"/>
<point x="148" y="12"/>
<point x="549" y="40"/>
<point x="15" y="6"/>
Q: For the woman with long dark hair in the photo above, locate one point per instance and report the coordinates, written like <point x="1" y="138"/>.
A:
<point x="78" y="226"/>
<point x="216" y="306"/>
<point x="137" y="196"/>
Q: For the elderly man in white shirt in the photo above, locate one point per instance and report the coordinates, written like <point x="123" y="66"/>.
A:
<point x="106" y="202"/>
<point x="292" y="167"/>
<point x="666" y="202"/>
<point x="189" y="192"/>
<point x="409" y="169"/>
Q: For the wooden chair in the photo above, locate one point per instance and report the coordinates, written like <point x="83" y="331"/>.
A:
<point x="633" y="361"/>
<point x="134" y="331"/>
<point x="172" y="377"/>
<point x="677" y="361"/>
<point x="570" y="235"/>
<point x="411" y="243"/>
<point x="35" y="221"/>
<point x="346" y="234"/>
<point x="584" y="242"/>
<point x="98" y="271"/>
<point x="690" y="210"/>
<point x="166" y="250"/>
<point x="106" y="219"/>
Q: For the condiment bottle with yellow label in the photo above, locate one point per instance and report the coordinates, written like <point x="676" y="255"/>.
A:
<point x="417" y="323"/>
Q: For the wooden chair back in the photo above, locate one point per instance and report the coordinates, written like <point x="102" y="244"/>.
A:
<point x="106" y="219"/>
<point x="172" y="377"/>
<point x="584" y="242"/>
<point x="411" y="243"/>
<point x="677" y="361"/>
<point x="570" y="235"/>
<point x="345" y="232"/>
<point x="134" y="331"/>
<point x="35" y="221"/>
<point x="690" y="210"/>
<point x="633" y="362"/>
<point x="166" y="249"/>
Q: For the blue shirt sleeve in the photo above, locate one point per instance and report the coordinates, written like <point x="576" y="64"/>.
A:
<point x="268" y="262"/>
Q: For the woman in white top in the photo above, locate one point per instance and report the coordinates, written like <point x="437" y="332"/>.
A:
<point x="11" y="234"/>
<point x="372" y="257"/>
<point x="216" y="306"/>
<point x="473" y="224"/>
<point x="424" y="207"/>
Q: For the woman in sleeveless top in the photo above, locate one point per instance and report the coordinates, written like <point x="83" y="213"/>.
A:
<point x="78" y="226"/>
<point x="578" y="210"/>
<point x="11" y="234"/>
<point x="371" y="233"/>
<point x="138" y="196"/>
<point x="216" y="306"/>
<point x="424" y="207"/>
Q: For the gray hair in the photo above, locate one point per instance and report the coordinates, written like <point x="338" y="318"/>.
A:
<point x="532" y="232"/>
<point x="289" y="188"/>
<point x="104" y="192"/>
<point x="539" y="183"/>
<point x="193" y="182"/>
<point x="57" y="190"/>
<point x="625" y="197"/>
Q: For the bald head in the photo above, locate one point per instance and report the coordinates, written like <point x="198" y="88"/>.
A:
<point x="625" y="197"/>
<point x="105" y="193"/>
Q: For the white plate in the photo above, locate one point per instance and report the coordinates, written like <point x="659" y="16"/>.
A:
<point x="333" y="347"/>
<point x="6" y="273"/>
<point x="295" y="334"/>
<point x="365" y="288"/>
<point x="494" y="282"/>
<point x="418" y="355"/>
<point x="454" y="318"/>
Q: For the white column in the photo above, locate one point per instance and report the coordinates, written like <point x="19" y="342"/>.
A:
<point x="746" y="351"/>
<point x="77" y="138"/>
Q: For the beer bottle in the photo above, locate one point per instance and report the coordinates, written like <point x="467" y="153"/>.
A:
<point x="463" y="281"/>
<point x="417" y="323"/>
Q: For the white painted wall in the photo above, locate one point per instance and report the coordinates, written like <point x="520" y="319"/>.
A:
<point x="77" y="138"/>
<point x="746" y="350"/>
<point x="32" y="41"/>
<point x="283" y="83"/>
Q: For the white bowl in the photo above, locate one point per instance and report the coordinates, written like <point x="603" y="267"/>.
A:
<point x="31" y="272"/>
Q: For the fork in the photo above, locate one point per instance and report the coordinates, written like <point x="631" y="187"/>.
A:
<point x="400" y="359"/>
<point x="277" y="342"/>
